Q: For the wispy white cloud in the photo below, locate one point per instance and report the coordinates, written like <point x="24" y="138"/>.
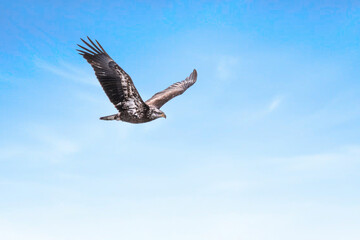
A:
<point x="44" y="143"/>
<point x="274" y="104"/>
<point x="68" y="71"/>
<point x="265" y="109"/>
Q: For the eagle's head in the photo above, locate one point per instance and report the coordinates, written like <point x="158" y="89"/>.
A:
<point x="155" y="113"/>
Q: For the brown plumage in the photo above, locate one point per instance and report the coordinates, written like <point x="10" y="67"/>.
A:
<point x="121" y="90"/>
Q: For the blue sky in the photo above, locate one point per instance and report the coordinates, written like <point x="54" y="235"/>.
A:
<point x="264" y="146"/>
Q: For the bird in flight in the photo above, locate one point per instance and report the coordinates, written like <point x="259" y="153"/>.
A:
<point x="121" y="91"/>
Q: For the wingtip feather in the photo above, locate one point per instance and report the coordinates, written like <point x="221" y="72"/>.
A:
<point x="91" y="47"/>
<point x="193" y="75"/>
<point x="98" y="49"/>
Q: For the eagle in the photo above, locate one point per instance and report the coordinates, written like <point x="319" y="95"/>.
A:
<point x="121" y="90"/>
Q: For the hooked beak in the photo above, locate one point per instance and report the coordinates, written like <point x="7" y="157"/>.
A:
<point x="163" y="115"/>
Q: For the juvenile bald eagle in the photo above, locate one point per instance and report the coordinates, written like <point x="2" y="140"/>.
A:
<point x="121" y="91"/>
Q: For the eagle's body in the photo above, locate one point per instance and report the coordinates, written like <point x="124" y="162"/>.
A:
<point x="121" y="91"/>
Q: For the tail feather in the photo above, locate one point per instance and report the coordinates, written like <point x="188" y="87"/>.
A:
<point x="111" y="117"/>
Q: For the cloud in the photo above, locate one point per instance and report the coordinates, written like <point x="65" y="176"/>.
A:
<point x="211" y="214"/>
<point x="67" y="71"/>
<point x="181" y="219"/>
<point x="275" y="103"/>
<point x="43" y="143"/>
<point x="264" y="110"/>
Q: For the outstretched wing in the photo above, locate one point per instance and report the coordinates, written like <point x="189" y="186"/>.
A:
<point x="160" y="98"/>
<point x="116" y="83"/>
